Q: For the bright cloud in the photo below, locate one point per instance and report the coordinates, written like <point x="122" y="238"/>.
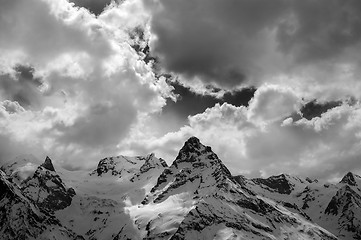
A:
<point x="73" y="84"/>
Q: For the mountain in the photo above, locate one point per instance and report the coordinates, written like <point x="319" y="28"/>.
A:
<point x="335" y="207"/>
<point x="21" y="168"/>
<point x="47" y="189"/>
<point x="20" y="217"/>
<point x="129" y="167"/>
<point x="98" y="211"/>
<point x="89" y="205"/>
<point x="196" y="197"/>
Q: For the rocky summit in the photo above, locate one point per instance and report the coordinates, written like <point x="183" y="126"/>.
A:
<point x="196" y="197"/>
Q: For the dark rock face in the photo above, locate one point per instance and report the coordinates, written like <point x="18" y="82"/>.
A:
<point x="132" y="167"/>
<point x="346" y="204"/>
<point x="240" y="179"/>
<point x="48" y="164"/>
<point x="48" y="190"/>
<point x="163" y="162"/>
<point x="105" y="165"/>
<point x="278" y="183"/>
<point x="149" y="163"/>
<point x="20" y="218"/>
<point x="162" y="178"/>
<point x="342" y="200"/>
<point x="193" y="150"/>
<point x="14" y="222"/>
<point x="349" y="179"/>
<point x="187" y="168"/>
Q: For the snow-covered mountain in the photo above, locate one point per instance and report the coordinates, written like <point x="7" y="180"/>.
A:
<point x="197" y="198"/>
<point x="335" y="207"/>
<point x="21" y="218"/>
<point x="194" y="198"/>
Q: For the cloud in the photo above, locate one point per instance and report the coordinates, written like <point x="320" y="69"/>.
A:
<point x="272" y="102"/>
<point x="320" y="30"/>
<point x="73" y="84"/>
<point x="189" y="103"/>
<point x="44" y="32"/>
<point x="11" y="107"/>
<point x="217" y="41"/>
<point x="22" y="88"/>
<point x="313" y="46"/>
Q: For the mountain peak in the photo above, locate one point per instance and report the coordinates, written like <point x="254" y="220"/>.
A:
<point x="349" y="179"/>
<point x="193" y="141"/>
<point x="197" y="167"/>
<point x="279" y="183"/>
<point x="48" y="164"/>
<point x="194" y="151"/>
<point x="192" y="145"/>
<point x="128" y="167"/>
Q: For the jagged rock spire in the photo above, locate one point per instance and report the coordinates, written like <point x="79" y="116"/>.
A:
<point x="193" y="141"/>
<point x="163" y="162"/>
<point x="48" y="164"/>
<point x="192" y="144"/>
<point x="191" y="151"/>
<point x="349" y="179"/>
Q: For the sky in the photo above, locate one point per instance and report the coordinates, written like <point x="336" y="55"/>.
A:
<point x="272" y="86"/>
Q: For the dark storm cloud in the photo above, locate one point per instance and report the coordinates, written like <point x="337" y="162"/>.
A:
<point x="314" y="109"/>
<point x="228" y="42"/>
<point x="190" y="103"/>
<point x="94" y="6"/>
<point x="211" y="39"/>
<point x="318" y="30"/>
<point x="22" y="88"/>
<point x="239" y="97"/>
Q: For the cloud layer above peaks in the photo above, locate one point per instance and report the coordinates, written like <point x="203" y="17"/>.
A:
<point x="85" y="79"/>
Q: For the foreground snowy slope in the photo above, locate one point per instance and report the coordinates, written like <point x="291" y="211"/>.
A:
<point x="195" y="198"/>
